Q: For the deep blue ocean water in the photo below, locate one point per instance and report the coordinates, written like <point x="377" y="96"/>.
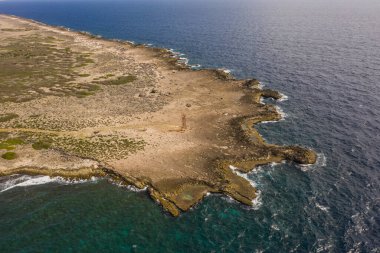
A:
<point x="324" y="55"/>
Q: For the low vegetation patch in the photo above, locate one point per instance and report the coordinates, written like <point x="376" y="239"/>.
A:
<point x="96" y="147"/>
<point x="35" y="66"/>
<point x="84" y="75"/>
<point x="9" y="156"/>
<point x="41" y="145"/>
<point x="8" y="117"/>
<point x="11" y="144"/>
<point x="119" y="80"/>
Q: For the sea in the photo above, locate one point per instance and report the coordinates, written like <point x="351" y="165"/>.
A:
<point x="323" y="55"/>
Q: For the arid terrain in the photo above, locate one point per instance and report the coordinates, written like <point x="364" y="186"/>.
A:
<point x="76" y="106"/>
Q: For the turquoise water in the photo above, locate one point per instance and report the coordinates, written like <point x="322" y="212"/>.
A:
<point x="324" y="55"/>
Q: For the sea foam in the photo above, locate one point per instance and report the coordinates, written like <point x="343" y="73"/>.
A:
<point x="128" y="187"/>
<point x="227" y="71"/>
<point x="281" y="112"/>
<point x="256" y="202"/>
<point x="183" y="59"/>
<point x="283" y="98"/>
<point x="24" y="181"/>
<point x="321" y="162"/>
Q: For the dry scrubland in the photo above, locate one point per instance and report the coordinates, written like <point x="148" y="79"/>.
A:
<point x="77" y="106"/>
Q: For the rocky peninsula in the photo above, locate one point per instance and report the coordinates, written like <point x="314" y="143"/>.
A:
<point x="75" y="105"/>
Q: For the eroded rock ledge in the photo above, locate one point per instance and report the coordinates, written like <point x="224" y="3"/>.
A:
<point x="76" y="106"/>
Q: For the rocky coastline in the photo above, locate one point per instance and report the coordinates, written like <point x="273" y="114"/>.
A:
<point x="134" y="114"/>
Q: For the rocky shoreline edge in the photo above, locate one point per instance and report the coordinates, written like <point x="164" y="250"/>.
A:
<point x="253" y="150"/>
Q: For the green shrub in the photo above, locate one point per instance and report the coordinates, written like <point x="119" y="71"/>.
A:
<point x="83" y="75"/>
<point x="119" y="81"/>
<point x="41" y="145"/>
<point x="11" y="143"/>
<point x="9" y="156"/>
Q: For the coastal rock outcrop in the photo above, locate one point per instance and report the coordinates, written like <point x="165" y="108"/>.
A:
<point x="134" y="114"/>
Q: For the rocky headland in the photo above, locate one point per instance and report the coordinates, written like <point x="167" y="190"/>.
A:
<point x="75" y="105"/>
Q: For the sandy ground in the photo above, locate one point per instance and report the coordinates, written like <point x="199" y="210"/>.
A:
<point x="194" y="124"/>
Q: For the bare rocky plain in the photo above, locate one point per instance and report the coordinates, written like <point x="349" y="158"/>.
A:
<point x="74" y="105"/>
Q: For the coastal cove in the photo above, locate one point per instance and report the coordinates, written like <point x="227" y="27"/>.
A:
<point x="322" y="57"/>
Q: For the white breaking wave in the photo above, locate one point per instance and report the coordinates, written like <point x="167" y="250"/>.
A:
<point x="275" y="227"/>
<point x="135" y="189"/>
<point x="256" y="202"/>
<point x="281" y="112"/>
<point x="176" y="54"/>
<point x="323" y="208"/>
<point x="274" y="164"/>
<point x="283" y="98"/>
<point x="183" y="59"/>
<point x="243" y="175"/>
<point x="24" y="181"/>
<point x="128" y="187"/>
<point x="227" y="71"/>
<point x="321" y="162"/>
<point x="196" y="66"/>
<point x="268" y="121"/>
